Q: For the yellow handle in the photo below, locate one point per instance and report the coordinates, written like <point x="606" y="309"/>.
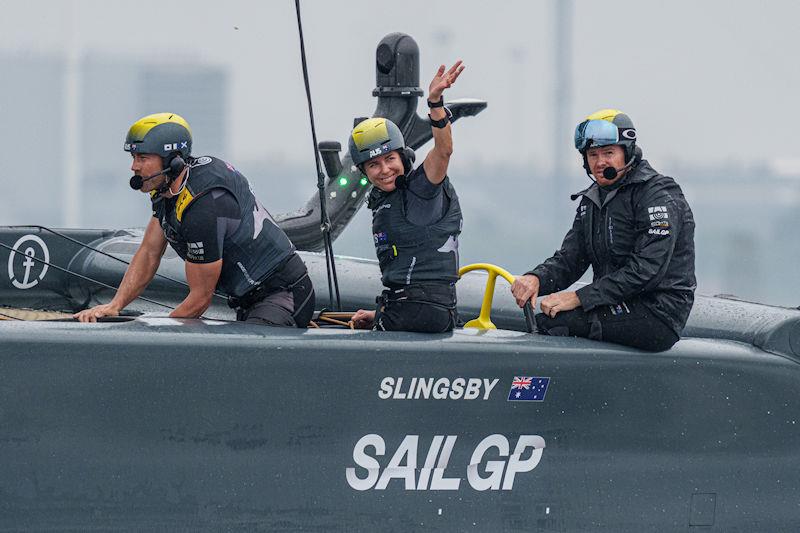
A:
<point x="484" y="321"/>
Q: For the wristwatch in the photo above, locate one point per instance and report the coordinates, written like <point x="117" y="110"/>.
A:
<point x="440" y="103"/>
<point x="441" y="123"/>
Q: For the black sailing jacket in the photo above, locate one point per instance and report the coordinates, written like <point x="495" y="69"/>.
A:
<point x="639" y="242"/>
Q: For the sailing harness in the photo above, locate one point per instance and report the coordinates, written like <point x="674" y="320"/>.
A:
<point x="439" y="295"/>
<point x="283" y="279"/>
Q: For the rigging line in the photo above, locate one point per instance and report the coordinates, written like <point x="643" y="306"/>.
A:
<point x="9" y="317"/>
<point x="101" y="252"/>
<point x="325" y="221"/>
<point x="85" y="278"/>
<point x="333" y="267"/>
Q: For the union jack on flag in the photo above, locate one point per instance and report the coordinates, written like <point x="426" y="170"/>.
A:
<point x="521" y="382"/>
<point x="528" y="389"/>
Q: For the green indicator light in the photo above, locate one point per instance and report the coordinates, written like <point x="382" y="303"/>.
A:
<point x="343" y="181"/>
<point x="364" y="181"/>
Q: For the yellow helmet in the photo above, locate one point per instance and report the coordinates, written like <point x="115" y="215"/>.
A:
<point x="605" y="127"/>
<point x="163" y="134"/>
<point x="374" y="137"/>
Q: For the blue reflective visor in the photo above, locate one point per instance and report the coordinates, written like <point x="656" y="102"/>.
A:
<point x="595" y="133"/>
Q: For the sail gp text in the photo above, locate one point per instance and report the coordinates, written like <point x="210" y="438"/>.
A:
<point x="492" y="466"/>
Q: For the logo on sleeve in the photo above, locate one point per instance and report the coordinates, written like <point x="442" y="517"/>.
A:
<point x="658" y="212"/>
<point x="195" y="251"/>
<point x="380" y="238"/>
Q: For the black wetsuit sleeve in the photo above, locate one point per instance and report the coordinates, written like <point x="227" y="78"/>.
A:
<point x="426" y="202"/>
<point x="206" y="223"/>
<point x="567" y="265"/>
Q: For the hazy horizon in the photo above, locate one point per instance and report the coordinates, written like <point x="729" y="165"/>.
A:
<point x="710" y="86"/>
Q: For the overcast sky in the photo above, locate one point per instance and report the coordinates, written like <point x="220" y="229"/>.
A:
<point x="704" y="81"/>
<point x="708" y="83"/>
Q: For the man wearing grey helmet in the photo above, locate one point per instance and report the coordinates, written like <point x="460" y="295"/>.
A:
<point x="206" y="211"/>
<point x="635" y="229"/>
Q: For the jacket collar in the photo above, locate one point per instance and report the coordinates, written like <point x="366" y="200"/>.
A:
<point x="638" y="174"/>
<point x="376" y="197"/>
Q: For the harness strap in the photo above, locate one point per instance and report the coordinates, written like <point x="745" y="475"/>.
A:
<point x="276" y="282"/>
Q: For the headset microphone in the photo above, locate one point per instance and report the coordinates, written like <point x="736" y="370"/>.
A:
<point x="137" y="181"/>
<point x="610" y="173"/>
<point x="176" y="166"/>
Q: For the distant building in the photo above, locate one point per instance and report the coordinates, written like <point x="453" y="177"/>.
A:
<point x="30" y="139"/>
<point x="112" y="94"/>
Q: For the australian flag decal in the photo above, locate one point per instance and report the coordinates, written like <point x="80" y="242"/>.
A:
<point x="380" y="238"/>
<point x="528" y="389"/>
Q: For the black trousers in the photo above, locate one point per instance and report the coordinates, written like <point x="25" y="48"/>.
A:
<point x="629" y="323"/>
<point x="292" y="308"/>
<point x="429" y="308"/>
<point x="288" y="298"/>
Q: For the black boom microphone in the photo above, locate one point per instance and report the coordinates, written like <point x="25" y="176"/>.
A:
<point x="610" y="173"/>
<point x="176" y="165"/>
<point x="137" y="181"/>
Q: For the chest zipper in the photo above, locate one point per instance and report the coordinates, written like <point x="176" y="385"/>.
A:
<point x="605" y="230"/>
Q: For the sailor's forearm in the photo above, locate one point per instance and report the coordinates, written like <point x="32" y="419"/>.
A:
<point x="193" y="306"/>
<point x="443" y="141"/>
<point x="139" y="274"/>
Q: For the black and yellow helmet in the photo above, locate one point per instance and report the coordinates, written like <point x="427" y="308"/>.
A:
<point x="606" y="127"/>
<point x="374" y="137"/>
<point x="163" y="134"/>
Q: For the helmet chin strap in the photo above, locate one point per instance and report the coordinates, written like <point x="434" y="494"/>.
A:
<point x="165" y="187"/>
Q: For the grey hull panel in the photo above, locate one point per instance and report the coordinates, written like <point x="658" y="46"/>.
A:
<point x="153" y="424"/>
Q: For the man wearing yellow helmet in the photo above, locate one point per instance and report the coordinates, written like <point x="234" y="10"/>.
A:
<point x="204" y="208"/>
<point x="416" y="220"/>
<point x="636" y="230"/>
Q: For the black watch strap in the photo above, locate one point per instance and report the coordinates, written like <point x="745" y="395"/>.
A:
<point x="440" y="103"/>
<point x="439" y="123"/>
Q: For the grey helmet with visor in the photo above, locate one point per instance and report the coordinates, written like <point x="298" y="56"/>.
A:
<point x="603" y="128"/>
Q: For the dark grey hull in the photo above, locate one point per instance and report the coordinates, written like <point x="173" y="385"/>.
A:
<point x="158" y="424"/>
<point x="155" y="425"/>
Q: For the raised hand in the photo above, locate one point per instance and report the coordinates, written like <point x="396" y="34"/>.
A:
<point x="444" y="80"/>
